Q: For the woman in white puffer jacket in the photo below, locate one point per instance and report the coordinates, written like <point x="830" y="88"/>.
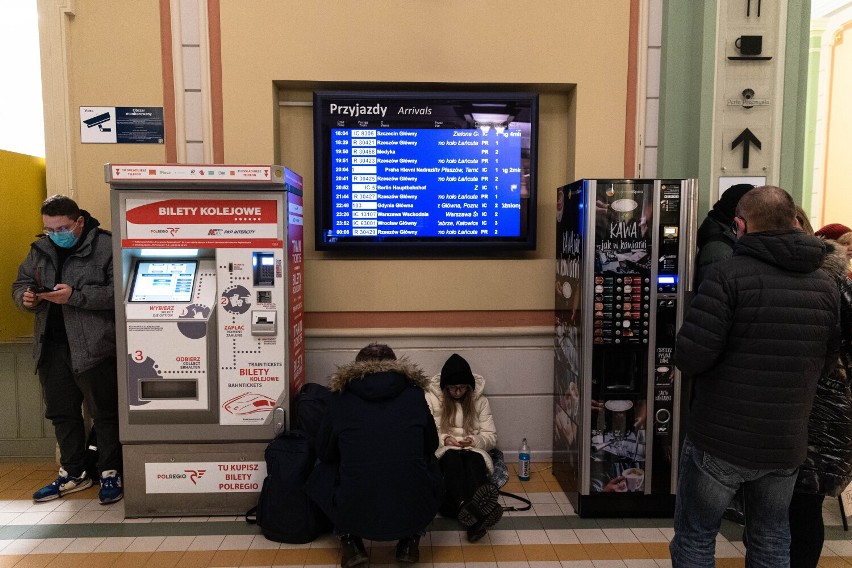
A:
<point x="466" y="433"/>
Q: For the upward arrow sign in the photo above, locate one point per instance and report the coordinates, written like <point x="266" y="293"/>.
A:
<point x="745" y="138"/>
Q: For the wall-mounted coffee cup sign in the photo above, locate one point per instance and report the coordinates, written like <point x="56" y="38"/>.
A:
<point x="749" y="44"/>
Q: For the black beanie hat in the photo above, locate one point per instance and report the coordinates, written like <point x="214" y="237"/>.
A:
<point x="456" y="371"/>
<point x="726" y="207"/>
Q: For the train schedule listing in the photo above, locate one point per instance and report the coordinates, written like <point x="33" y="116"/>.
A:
<point x="394" y="182"/>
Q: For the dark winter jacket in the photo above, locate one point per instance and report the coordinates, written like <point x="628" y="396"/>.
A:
<point x="715" y="242"/>
<point x="715" y="239"/>
<point x="89" y="315"/>
<point x="828" y="467"/>
<point x="761" y="329"/>
<point x="379" y="478"/>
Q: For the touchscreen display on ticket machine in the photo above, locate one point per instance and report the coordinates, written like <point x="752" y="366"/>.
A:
<point x="164" y="281"/>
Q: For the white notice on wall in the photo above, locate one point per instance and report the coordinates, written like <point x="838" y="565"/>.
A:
<point x="97" y="125"/>
<point x="729" y="181"/>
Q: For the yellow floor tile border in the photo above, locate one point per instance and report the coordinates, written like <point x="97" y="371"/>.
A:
<point x="383" y="555"/>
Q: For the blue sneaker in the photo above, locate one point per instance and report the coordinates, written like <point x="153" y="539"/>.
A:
<point x="62" y="486"/>
<point x="111" y="489"/>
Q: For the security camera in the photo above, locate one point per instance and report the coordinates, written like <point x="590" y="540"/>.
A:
<point x="748" y="94"/>
<point x="98" y="121"/>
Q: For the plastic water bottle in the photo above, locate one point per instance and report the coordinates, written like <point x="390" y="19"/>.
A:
<point x="524" y="461"/>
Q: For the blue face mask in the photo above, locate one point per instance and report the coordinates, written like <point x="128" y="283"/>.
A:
<point x="65" y="239"/>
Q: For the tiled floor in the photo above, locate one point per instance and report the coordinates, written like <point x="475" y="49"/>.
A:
<point x="77" y="531"/>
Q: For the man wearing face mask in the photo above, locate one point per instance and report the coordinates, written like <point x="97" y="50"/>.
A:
<point x="66" y="280"/>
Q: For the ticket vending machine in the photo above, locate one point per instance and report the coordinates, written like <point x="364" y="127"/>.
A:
<point x="209" y="322"/>
<point x="625" y="252"/>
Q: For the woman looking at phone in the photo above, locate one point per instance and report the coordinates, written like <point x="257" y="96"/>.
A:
<point x="466" y="433"/>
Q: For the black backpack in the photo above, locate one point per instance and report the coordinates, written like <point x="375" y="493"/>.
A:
<point x="310" y="409"/>
<point x="284" y="513"/>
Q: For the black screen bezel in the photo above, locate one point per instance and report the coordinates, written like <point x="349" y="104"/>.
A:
<point x="323" y="172"/>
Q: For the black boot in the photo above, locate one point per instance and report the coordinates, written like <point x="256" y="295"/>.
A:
<point x="476" y="532"/>
<point x="408" y="549"/>
<point x="352" y="552"/>
<point x="489" y="518"/>
<point x="480" y="508"/>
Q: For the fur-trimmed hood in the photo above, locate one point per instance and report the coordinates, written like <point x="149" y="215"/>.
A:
<point x="352" y="375"/>
<point x="836" y="263"/>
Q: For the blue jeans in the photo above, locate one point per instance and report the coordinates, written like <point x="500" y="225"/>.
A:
<point x="705" y="487"/>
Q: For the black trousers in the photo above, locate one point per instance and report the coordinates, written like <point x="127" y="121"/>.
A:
<point x="463" y="472"/>
<point x="64" y="393"/>
<point x="807" y="531"/>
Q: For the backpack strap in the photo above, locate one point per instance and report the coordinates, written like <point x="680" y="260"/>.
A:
<point x="519" y="498"/>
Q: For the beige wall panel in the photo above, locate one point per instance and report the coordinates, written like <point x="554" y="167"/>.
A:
<point x="521" y="282"/>
<point x="266" y="45"/>
<point x="386" y="42"/>
<point x="428" y="285"/>
<point x="446" y="41"/>
<point x="115" y="60"/>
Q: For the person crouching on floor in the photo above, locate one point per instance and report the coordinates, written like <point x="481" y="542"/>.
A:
<point x="378" y="477"/>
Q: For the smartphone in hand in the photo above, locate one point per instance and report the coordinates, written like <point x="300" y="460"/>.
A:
<point x="40" y="289"/>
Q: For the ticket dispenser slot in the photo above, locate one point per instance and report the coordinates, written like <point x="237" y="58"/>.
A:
<point x="176" y="389"/>
<point x="264" y="322"/>
<point x="263" y="268"/>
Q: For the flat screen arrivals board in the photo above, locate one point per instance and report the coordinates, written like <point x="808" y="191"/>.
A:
<point x="427" y="170"/>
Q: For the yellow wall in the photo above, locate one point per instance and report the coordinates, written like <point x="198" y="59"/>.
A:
<point x="574" y="52"/>
<point x="838" y="168"/>
<point x="22" y="179"/>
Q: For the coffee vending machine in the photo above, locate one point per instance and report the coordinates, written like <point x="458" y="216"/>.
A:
<point x="208" y="271"/>
<point x="625" y="254"/>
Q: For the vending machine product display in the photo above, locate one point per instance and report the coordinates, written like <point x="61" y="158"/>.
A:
<point x="209" y="318"/>
<point x="625" y="251"/>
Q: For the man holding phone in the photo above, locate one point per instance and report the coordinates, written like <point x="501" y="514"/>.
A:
<point x="66" y="281"/>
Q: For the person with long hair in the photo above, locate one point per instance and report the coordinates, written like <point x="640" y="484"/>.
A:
<point x="466" y="433"/>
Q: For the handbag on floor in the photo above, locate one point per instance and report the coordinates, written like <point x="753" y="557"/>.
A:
<point x="500" y="476"/>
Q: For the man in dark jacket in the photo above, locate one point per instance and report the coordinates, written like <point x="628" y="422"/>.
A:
<point x="379" y="478"/>
<point x="66" y="280"/>
<point x="715" y="238"/>
<point x="761" y="329"/>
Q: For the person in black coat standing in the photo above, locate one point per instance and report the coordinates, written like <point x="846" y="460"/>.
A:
<point x="379" y="478"/>
<point x="715" y="242"/>
<point x="761" y="330"/>
<point x="715" y="238"/>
